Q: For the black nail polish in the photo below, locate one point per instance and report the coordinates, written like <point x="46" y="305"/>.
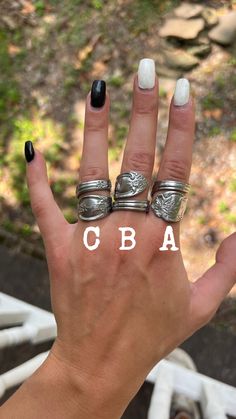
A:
<point x="29" y="151"/>
<point x="98" y="93"/>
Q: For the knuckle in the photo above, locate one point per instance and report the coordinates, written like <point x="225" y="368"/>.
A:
<point x="180" y="120"/>
<point x="97" y="122"/>
<point x="176" y="169"/>
<point x="39" y="209"/>
<point x="146" y="106"/>
<point x="140" y="160"/>
<point x="93" y="172"/>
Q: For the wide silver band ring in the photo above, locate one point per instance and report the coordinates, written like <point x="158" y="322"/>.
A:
<point x="94" y="207"/>
<point x="129" y="184"/>
<point x="170" y="185"/>
<point x="93" y="185"/>
<point x="170" y="200"/>
<point x="131" y="204"/>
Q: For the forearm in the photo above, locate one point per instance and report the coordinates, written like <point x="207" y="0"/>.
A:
<point x="56" y="392"/>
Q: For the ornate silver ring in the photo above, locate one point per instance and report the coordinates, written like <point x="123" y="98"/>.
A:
<point x="94" y="207"/>
<point x="129" y="184"/>
<point x="131" y="204"/>
<point x="93" y="185"/>
<point x="171" y="199"/>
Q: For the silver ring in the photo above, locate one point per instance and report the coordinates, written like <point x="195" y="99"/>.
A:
<point x="94" y="207"/>
<point x="131" y="204"/>
<point x="170" y="185"/>
<point x="171" y="199"/>
<point x="170" y="206"/>
<point x="129" y="184"/>
<point x="93" y="185"/>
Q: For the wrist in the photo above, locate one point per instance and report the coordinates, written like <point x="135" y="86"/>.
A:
<point x="67" y="391"/>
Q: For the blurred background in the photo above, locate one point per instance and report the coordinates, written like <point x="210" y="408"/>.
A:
<point x="50" y="52"/>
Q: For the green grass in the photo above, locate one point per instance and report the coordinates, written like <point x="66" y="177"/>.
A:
<point x="202" y="220"/>
<point x="162" y="92"/>
<point x="214" y="131"/>
<point x="39" y="131"/>
<point x="8" y="225"/>
<point x="9" y="90"/>
<point x="146" y="12"/>
<point x="97" y="4"/>
<point x="211" y="101"/>
<point x="232" y="185"/>
<point x="220" y="81"/>
<point x="231" y="218"/>
<point x="232" y="61"/>
<point x="40" y="7"/>
<point x="116" y="81"/>
<point x="59" y="186"/>
<point x="70" y="215"/>
<point x="233" y="135"/>
<point x="26" y="230"/>
<point x="121" y="109"/>
<point x="223" y="207"/>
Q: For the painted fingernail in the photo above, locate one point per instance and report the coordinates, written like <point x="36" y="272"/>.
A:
<point x="29" y="151"/>
<point x="182" y="91"/>
<point x="98" y="93"/>
<point x="146" y="73"/>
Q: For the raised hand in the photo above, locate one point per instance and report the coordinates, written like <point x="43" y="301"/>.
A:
<point x="120" y="311"/>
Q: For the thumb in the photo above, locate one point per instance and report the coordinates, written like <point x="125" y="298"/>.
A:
<point x="48" y="215"/>
<point x="209" y="290"/>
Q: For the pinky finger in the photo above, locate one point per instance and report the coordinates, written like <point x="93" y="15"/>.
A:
<point x="48" y="215"/>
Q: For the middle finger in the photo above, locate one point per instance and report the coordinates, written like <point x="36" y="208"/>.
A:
<point x="139" y="153"/>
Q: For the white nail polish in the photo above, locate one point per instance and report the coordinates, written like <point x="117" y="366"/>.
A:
<point x="146" y="73"/>
<point x="182" y="91"/>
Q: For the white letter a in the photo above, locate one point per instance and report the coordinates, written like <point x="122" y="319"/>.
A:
<point x="169" y="239"/>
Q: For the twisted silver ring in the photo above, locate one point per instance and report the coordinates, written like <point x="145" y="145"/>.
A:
<point x="94" y="207"/>
<point x="131" y="204"/>
<point x="93" y="185"/>
<point x="129" y="184"/>
<point x="170" y="185"/>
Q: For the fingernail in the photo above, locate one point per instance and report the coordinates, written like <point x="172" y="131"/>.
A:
<point x="181" y="95"/>
<point x="98" y="93"/>
<point x="146" y="73"/>
<point x="29" y="151"/>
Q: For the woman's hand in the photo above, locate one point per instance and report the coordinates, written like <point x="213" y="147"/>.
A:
<point x="120" y="311"/>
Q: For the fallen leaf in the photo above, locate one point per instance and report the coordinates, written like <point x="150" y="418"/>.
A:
<point x="13" y="50"/>
<point x="86" y="51"/>
<point x="98" y="70"/>
<point x="28" y="7"/>
<point x="213" y="113"/>
<point x="50" y="19"/>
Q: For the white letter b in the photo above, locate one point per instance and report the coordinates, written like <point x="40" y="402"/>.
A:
<point x="125" y="238"/>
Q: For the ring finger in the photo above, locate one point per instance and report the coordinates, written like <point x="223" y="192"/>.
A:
<point x="177" y="156"/>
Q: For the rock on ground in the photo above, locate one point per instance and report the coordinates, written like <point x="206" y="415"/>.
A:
<point x="180" y="59"/>
<point x="210" y="16"/>
<point x="200" y="50"/>
<point x="188" y="10"/>
<point x="225" y="32"/>
<point x="182" y="28"/>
